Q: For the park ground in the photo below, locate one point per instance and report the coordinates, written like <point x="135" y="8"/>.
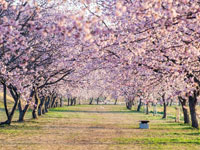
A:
<point x="98" y="127"/>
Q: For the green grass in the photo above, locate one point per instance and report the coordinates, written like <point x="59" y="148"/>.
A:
<point x="109" y="127"/>
<point x="157" y="140"/>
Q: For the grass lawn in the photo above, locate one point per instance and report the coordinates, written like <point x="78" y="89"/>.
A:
<point x="98" y="127"/>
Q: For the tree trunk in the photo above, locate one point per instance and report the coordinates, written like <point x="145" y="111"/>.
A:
<point x="139" y="105"/>
<point x="53" y="101"/>
<point x="71" y="101"/>
<point x="22" y="112"/>
<point x="147" y="108"/>
<point x="68" y="102"/>
<point x="164" y="107"/>
<point x="61" y="102"/>
<point x="164" y="111"/>
<point x="97" y="100"/>
<point x="47" y="104"/>
<point x="74" y="101"/>
<point x="36" y="105"/>
<point x="15" y="96"/>
<point x="129" y="105"/>
<point x="91" y="99"/>
<point x="115" y="102"/>
<point x="56" y="103"/>
<point x="41" y="106"/>
<point x="185" y="110"/>
<point x="8" y="121"/>
<point x="5" y="99"/>
<point x="192" y="106"/>
<point x="44" y="105"/>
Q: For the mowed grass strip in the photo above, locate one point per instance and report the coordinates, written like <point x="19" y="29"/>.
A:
<point x="97" y="127"/>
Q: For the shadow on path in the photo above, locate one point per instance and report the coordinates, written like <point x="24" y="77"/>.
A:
<point x="100" y="111"/>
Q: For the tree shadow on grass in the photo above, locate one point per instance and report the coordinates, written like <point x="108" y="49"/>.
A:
<point x="197" y="133"/>
<point x="103" y="112"/>
<point x="20" y="127"/>
<point x="135" y="111"/>
<point x="158" y="112"/>
<point x="2" y="109"/>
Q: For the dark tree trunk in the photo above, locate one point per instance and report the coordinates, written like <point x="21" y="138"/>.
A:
<point x="71" y="101"/>
<point x="164" y="111"/>
<point x="53" y="101"/>
<point x="47" y="102"/>
<point x="50" y="99"/>
<point x="68" y="101"/>
<point x="97" y="100"/>
<point x="15" y="96"/>
<point x="5" y="99"/>
<point x="74" y="101"/>
<point x="139" y="105"/>
<point x="164" y="107"/>
<point x="147" y="108"/>
<point x="129" y="105"/>
<point x="115" y="102"/>
<point x="41" y="106"/>
<point x="36" y="105"/>
<point x="91" y="100"/>
<point x="192" y="106"/>
<point x="8" y="121"/>
<point x="22" y="112"/>
<point x="61" y="102"/>
<point x="185" y="110"/>
<point x="44" y="105"/>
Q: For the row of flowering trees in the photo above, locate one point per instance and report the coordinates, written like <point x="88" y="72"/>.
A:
<point x="127" y="48"/>
<point x="150" y="47"/>
<point x="38" y="54"/>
